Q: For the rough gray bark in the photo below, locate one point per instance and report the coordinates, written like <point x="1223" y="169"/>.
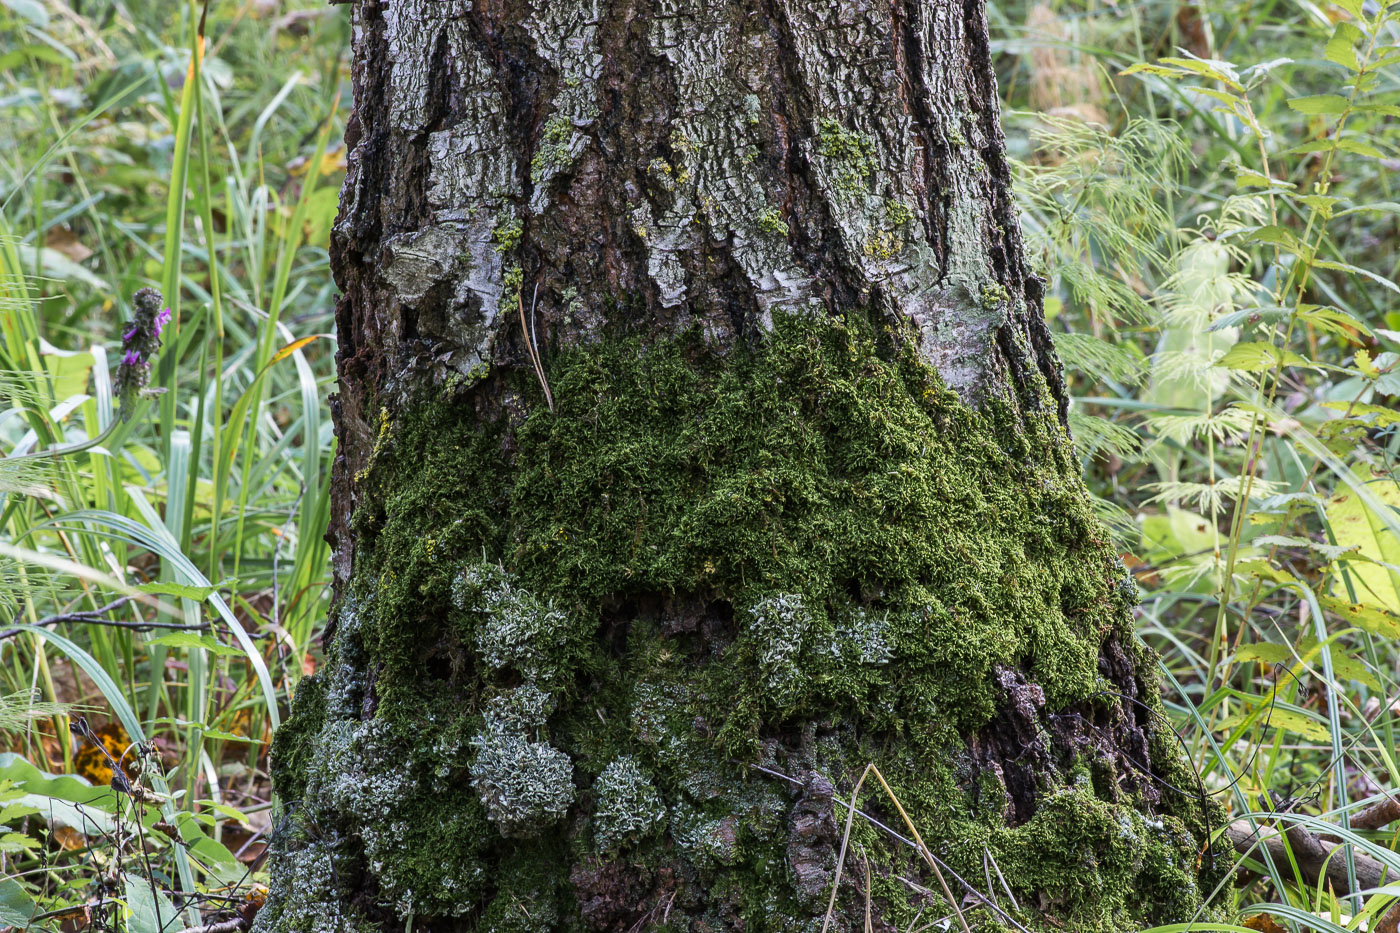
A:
<point x="701" y="441"/>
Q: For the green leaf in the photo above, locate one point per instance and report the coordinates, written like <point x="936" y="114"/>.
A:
<point x="183" y="590"/>
<point x="194" y="640"/>
<point x="1329" y="552"/>
<point x="1388" y="110"/>
<point x="17" y="843"/>
<point x="1257" y="357"/>
<point x="1378" y="622"/>
<point x="1215" y="70"/>
<point x="1265" y="653"/>
<point x="1332" y="320"/>
<point x="1274" y="234"/>
<point x="1370" y="415"/>
<point x="16" y="907"/>
<point x="1298" y="722"/>
<point x="1339" y="50"/>
<point x="1319" y="104"/>
<point x="150" y="910"/>
<point x="14" y="811"/>
<point x="1344" y="267"/>
<point x="31" y="10"/>
<point x="1356" y="146"/>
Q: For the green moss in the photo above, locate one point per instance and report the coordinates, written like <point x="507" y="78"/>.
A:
<point x="859" y="554"/>
<point x="1093" y="865"/>
<point x="295" y="742"/>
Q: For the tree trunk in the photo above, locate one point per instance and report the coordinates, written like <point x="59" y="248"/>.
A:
<point x="701" y="442"/>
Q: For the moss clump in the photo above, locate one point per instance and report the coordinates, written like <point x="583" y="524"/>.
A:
<point x="295" y="742"/>
<point x="806" y="553"/>
<point x="1092" y="864"/>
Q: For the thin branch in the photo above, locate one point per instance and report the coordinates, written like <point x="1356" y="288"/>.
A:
<point x="94" y="617"/>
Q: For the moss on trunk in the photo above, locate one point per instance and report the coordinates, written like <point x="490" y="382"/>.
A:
<point x="572" y="635"/>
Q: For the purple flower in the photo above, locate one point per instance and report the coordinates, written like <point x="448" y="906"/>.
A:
<point x="140" y="345"/>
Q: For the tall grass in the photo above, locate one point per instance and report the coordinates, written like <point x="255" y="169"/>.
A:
<point x="1211" y="200"/>
<point x="164" y="583"/>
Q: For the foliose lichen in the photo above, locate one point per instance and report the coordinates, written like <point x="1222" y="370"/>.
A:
<point x="627" y="806"/>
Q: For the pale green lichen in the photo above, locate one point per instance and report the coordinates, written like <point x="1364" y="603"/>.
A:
<point x="771" y="221"/>
<point x="554" y="153"/>
<point x="524" y="785"/>
<point x="898" y="212"/>
<point x="850" y="155"/>
<point x="627" y="807"/>
<point x="513" y="627"/>
<point x="507" y="233"/>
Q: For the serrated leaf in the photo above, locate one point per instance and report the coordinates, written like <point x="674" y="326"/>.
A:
<point x="1365" y="365"/>
<point x="1263" y="570"/>
<point x="1148" y="68"/>
<point x="1274" y="234"/>
<point x="1378" y="622"/>
<point x="1346" y="267"/>
<point x="14" y="811"/>
<point x="1340" y="50"/>
<point x="1318" y="104"/>
<point x="1333" y="320"/>
<point x="1288" y="720"/>
<point x="16" y="843"/>
<point x="1329" y="552"/>
<point x="1257" y="357"/>
<point x="17" y="908"/>
<point x="149" y="910"/>
<point x="1370" y="415"/>
<point x="1264" y="653"/>
<point x="1215" y="70"/>
<point x="1357" y="147"/>
<point x="194" y="640"/>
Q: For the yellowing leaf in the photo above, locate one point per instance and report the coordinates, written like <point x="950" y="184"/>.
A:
<point x="1363" y="363"/>
<point x="1353" y="523"/>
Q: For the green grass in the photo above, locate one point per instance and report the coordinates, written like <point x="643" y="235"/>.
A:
<point x="1219" y="238"/>
<point x="139" y="152"/>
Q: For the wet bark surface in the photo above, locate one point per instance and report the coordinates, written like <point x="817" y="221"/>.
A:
<point x="533" y="183"/>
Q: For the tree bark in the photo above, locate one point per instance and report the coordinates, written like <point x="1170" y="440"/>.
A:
<point x="701" y="441"/>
